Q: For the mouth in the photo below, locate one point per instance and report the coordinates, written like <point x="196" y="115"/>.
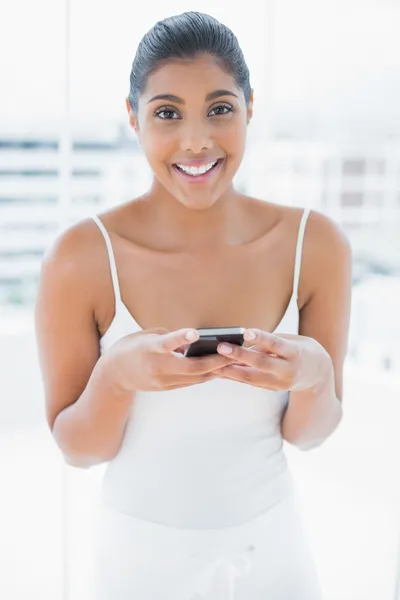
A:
<point x="198" y="174"/>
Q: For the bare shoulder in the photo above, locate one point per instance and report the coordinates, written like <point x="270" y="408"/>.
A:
<point x="72" y="242"/>
<point x="327" y="256"/>
<point x="324" y="238"/>
<point x="326" y="248"/>
<point x="75" y="255"/>
<point x="326" y="253"/>
<point x="326" y="234"/>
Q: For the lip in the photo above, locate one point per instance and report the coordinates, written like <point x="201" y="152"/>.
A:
<point x="205" y="177"/>
<point x="197" y="162"/>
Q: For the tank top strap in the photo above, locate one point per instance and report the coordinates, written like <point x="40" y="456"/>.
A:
<point x="111" y="257"/>
<point x="299" y="251"/>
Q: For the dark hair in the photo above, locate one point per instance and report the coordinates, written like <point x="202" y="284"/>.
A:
<point x="187" y="36"/>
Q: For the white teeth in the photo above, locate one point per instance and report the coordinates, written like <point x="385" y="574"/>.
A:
<point x="197" y="170"/>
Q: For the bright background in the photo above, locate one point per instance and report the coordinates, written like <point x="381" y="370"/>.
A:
<point x="326" y="134"/>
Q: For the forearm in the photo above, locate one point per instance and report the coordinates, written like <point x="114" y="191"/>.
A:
<point x="312" y="415"/>
<point x="90" y="431"/>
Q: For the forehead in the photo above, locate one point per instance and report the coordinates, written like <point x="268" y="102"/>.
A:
<point x="193" y="77"/>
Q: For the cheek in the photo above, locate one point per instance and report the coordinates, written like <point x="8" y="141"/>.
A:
<point x="157" y="145"/>
<point x="234" y="138"/>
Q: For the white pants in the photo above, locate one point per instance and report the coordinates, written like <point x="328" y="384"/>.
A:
<point x="267" y="558"/>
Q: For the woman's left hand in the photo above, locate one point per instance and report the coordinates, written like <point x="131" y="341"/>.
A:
<point x="279" y="363"/>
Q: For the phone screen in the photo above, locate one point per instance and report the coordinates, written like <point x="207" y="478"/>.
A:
<point x="210" y="337"/>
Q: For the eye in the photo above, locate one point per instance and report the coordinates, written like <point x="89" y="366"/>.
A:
<point x="167" y="114"/>
<point x="222" y="109"/>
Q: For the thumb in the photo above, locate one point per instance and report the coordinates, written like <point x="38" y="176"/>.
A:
<point x="171" y="341"/>
<point x="158" y="330"/>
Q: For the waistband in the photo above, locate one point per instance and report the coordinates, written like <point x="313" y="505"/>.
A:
<point x="221" y="554"/>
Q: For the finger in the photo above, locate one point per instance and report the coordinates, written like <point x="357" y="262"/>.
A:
<point x="252" y="376"/>
<point x="174" y="387"/>
<point x="283" y="347"/>
<point x="205" y="364"/>
<point x="183" y="380"/>
<point x="143" y="333"/>
<point x="158" y="330"/>
<point x="252" y="358"/>
<point x="178" y="386"/>
<point x="182" y="349"/>
<point x="173" y="340"/>
<point x="182" y="365"/>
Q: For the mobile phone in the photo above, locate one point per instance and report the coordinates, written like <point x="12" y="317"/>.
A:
<point x="212" y="336"/>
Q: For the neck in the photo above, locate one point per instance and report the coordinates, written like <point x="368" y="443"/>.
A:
<point x="214" y="226"/>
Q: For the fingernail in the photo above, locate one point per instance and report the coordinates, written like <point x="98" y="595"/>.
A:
<point x="225" y="348"/>
<point x="249" y="335"/>
<point x="191" y="335"/>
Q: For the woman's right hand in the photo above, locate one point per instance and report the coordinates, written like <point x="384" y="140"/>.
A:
<point x="152" y="360"/>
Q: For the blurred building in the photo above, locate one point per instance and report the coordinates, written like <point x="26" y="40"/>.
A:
<point x="358" y="185"/>
<point x="374" y="337"/>
<point x="104" y="169"/>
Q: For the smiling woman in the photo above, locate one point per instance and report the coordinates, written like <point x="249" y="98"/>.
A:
<point x="197" y="491"/>
<point x="194" y="135"/>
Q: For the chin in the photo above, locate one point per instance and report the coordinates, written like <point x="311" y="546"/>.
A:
<point x="201" y="202"/>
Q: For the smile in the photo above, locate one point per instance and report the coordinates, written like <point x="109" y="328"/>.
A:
<point x="198" y="174"/>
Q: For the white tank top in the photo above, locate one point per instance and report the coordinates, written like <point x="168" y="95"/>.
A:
<point x="205" y="456"/>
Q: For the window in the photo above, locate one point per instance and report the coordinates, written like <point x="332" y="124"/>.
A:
<point x="352" y="199"/>
<point x="354" y="167"/>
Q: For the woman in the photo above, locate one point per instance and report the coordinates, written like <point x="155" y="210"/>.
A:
<point x="197" y="500"/>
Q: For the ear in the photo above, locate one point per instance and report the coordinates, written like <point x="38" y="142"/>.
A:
<point x="132" y="117"/>
<point x="250" y="107"/>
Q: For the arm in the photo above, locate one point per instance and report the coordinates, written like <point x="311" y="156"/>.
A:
<point x="313" y="414"/>
<point x="85" y="411"/>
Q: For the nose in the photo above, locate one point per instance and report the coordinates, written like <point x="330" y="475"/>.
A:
<point x="195" y="137"/>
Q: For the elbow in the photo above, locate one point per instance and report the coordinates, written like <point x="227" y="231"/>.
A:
<point x="83" y="461"/>
<point x="69" y="457"/>
<point x="305" y="445"/>
<point x="76" y="463"/>
<point x="311" y="440"/>
<point x="79" y="457"/>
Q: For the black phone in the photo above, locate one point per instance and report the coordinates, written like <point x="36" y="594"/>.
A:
<point x="212" y="336"/>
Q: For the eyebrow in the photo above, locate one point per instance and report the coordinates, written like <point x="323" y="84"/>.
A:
<point x="178" y="100"/>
